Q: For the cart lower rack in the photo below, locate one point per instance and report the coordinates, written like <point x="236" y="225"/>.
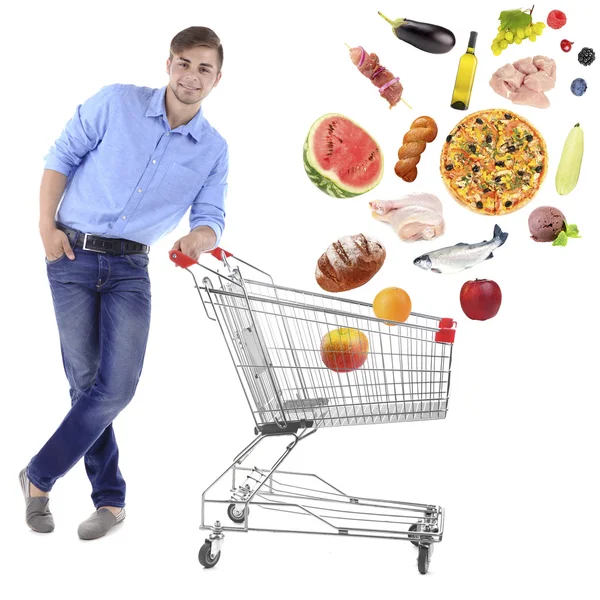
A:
<point x="297" y="378"/>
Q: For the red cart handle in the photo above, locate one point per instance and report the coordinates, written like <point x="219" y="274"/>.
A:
<point x="447" y="331"/>
<point x="181" y="259"/>
<point x="185" y="261"/>
<point x="216" y="252"/>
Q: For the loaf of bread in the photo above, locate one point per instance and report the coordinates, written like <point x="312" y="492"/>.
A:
<point x="349" y="263"/>
<point x="423" y="130"/>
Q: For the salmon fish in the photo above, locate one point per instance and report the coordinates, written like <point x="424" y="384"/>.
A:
<point x="461" y="256"/>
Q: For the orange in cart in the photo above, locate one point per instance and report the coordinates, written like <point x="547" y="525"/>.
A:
<point x="344" y="349"/>
<point x="392" y="303"/>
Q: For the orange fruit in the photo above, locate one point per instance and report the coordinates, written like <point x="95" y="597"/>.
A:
<point x="392" y="303"/>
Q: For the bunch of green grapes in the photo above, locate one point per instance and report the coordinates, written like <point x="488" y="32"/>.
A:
<point x="516" y="36"/>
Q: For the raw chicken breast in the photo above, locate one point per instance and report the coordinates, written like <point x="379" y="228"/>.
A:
<point x="506" y="79"/>
<point x="526" y="96"/>
<point x="525" y="81"/>
<point x="413" y="217"/>
<point x="539" y="82"/>
<point x="525" y="65"/>
<point x="548" y="65"/>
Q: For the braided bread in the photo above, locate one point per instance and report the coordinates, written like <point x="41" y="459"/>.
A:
<point x="424" y="129"/>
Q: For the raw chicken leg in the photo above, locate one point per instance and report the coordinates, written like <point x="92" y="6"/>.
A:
<point x="413" y="217"/>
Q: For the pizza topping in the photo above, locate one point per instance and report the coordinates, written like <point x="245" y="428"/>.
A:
<point x="538" y="169"/>
<point x="449" y="167"/>
<point x="507" y="116"/>
<point x="500" y="163"/>
<point x="479" y="121"/>
<point x="529" y="138"/>
<point x="476" y="169"/>
<point x="508" y="204"/>
<point x="449" y="138"/>
<point x="479" y="204"/>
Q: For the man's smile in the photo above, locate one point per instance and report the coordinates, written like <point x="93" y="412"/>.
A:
<point x="187" y="87"/>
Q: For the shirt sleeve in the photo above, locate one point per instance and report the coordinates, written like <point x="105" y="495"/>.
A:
<point x="81" y="134"/>
<point x="208" y="207"/>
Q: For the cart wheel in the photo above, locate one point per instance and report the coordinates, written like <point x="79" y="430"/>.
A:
<point x="205" y="558"/>
<point x="423" y="560"/>
<point x="235" y="514"/>
<point x="413" y="527"/>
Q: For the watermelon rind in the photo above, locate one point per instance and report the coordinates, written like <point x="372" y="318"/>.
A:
<point x="328" y="181"/>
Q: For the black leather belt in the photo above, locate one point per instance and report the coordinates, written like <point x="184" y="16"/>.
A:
<point x="97" y="243"/>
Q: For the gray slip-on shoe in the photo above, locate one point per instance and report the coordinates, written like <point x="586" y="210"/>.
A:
<point x="99" y="523"/>
<point x="37" y="512"/>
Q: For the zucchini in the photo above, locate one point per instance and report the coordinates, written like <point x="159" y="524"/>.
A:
<point x="567" y="174"/>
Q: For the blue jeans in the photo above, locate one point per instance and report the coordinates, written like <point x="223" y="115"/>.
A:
<point x="102" y="306"/>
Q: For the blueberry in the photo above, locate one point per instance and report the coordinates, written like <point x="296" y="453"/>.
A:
<point x="579" y="86"/>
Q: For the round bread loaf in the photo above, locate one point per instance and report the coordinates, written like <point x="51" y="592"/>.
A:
<point x="349" y="263"/>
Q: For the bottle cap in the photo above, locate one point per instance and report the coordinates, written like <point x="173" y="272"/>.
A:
<point x="472" y="39"/>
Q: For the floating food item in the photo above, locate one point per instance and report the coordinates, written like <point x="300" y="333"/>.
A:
<point x="424" y="36"/>
<point x="461" y="256"/>
<point x="389" y="86"/>
<point x="526" y="81"/>
<point x="413" y="217"/>
<point x="567" y="174"/>
<point x="494" y="162"/>
<point x="422" y="130"/>
<point x="341" y="158"/>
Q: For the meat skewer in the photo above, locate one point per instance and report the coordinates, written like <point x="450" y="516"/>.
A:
<point x="389" y="86"/>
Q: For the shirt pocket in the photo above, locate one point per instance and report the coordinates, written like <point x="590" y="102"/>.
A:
<point x="180" y="185"/>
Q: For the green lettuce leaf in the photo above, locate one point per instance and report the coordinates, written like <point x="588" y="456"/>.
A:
<point x="573" y="231"/>
<point x="561" y="240"/>
<point x="511" y="19"/>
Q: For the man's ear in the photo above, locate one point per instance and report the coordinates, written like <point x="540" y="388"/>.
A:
<point x="168" y="66"/>
<point x="218" y="78"/>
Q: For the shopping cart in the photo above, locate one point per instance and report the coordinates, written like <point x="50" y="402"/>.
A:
<point x="274" y="335"/>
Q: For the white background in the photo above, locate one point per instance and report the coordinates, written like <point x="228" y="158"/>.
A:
<point x="514" y="463"/>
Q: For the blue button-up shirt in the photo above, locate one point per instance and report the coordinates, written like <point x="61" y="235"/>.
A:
<point x="130" y="175"/>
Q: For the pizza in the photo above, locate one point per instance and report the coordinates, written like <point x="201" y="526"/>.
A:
<point x="494" y="162"/>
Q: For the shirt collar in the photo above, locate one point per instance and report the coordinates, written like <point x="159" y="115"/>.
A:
<point x="157" y="108"/>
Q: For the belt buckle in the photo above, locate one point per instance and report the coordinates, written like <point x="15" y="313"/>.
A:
<point x="85" y="237"/>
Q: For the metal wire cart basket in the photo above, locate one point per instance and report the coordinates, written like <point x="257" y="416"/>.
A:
<point x="274" y="335"/>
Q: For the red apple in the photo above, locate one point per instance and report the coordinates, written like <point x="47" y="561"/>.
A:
<point x="480" y="299"/>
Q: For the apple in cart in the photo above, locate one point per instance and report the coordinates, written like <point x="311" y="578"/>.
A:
<point x="480" y="299"/>
<point x="344" y="349"/>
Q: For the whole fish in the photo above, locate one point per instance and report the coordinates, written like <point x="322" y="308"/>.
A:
<point x="461" y="256"/>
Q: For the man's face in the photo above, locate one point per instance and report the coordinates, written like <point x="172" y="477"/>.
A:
<point x="193" y="74"/>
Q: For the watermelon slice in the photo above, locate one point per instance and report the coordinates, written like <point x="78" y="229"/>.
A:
<point x="341" y="158"/>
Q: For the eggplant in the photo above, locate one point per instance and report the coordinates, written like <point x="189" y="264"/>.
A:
<point x="424" y="36"/>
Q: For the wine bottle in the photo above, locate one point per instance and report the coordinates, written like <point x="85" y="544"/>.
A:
<point x="465" y="76"/>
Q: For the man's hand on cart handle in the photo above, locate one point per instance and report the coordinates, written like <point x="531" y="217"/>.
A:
<point x="196" y="242"/>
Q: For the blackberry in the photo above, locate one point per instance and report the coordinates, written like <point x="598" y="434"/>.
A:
<point x="586" y="57"/>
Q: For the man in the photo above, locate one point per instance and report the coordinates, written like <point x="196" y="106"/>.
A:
<point x="127" y="167"/>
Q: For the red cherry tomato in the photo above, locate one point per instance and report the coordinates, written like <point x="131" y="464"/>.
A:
<point x="566" y="45"/>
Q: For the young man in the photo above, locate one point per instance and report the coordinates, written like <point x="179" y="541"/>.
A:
<point x="127" y="167"/>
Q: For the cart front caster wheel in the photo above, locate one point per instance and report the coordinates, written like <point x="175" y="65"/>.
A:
<point x="424" y="558"/>
<point x="237" y="515"/>
<point x="205" y="558"/>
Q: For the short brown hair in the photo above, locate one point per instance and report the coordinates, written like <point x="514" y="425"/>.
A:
<point x="197" y="36"/>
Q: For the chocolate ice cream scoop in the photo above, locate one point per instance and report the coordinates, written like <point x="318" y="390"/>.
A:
<point x="545" y="223"/>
